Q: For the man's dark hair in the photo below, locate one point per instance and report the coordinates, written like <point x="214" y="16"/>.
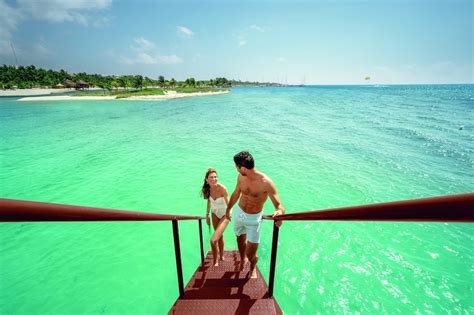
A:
<point x="245" y="159"/>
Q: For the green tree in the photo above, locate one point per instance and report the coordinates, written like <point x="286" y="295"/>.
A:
<point x="138" y="82"/>
<point x="161" y="80"/>
<point x="190" y="82"/>
<point x="115" y="84"/>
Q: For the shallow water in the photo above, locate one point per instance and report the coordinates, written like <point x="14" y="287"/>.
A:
<point x="323" y="147"/>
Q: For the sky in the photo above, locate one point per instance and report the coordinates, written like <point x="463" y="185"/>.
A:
<point x="293" y="42"/>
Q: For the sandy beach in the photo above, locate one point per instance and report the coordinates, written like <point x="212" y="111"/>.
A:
<point x="32" y="92"/>
<point x="167" y="96"/>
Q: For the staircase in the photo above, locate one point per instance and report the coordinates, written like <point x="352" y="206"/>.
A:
<point x="225" y="290"/>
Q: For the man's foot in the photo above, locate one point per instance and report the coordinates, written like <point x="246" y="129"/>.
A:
<point x="242" y="263"/>
<point x="216" y="263"/>
<point x="222" y="258"/>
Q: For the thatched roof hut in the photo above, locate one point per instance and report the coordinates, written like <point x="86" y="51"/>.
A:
<point x="82" y="85"/>
<point x="69" y="84"/>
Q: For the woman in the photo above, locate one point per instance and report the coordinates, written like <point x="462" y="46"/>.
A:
<point x="217" y="199"/>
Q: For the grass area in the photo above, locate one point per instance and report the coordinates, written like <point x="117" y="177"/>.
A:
<point x="128" y="93"/>
<point x="125" y="93"/>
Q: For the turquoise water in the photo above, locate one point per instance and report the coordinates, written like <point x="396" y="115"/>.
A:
<point x="323" y="147"/>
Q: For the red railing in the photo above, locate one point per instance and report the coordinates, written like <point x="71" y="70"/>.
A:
<point x="453" y="208"/>
<point x="29" y="211"/>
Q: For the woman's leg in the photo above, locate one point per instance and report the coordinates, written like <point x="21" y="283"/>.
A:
<point x="215" y="223"/>
<point x="221" y="239"/>
<point x="217" y="238"/>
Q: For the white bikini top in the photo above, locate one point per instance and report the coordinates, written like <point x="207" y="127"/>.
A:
<point x="218" y="204"/>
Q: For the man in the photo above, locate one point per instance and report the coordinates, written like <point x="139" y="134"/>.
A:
<point x="253" y="188"/>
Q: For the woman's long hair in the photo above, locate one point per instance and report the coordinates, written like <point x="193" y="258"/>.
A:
<point x="206" y="188"/>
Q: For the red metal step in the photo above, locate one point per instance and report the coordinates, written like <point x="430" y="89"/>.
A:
<point x="224" y="289"/>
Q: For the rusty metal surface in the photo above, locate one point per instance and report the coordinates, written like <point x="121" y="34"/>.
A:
<point x="30" y="211"/>
<point x="452" y="208"/>
<point x="225" y="290"/>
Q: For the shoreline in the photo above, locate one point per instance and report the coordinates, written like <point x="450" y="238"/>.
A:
<point x="167" y="96"/>
<point x="37" y="91"/>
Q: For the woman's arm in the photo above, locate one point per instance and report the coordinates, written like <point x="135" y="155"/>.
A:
<point x="208" y="209"/>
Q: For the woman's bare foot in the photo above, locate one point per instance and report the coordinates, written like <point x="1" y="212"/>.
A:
<point x="253" y="273"/>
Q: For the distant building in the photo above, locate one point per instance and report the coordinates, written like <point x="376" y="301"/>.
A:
<point x="82" y="85"/>
<point x="76" y="85"/>
<point x="69" y="84"/>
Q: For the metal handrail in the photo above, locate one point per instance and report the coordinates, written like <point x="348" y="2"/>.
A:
<point x="453" y="208"/>
<point x="460" y="209"/>
<point x="30" y="211"/>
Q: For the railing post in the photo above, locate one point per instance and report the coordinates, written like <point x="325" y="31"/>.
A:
<point x="276" y="230"/>
<point x="177" y="252"/>
<point x="200" y="240"/>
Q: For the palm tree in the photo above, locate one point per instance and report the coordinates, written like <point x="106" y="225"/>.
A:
<point x="138" y="82"/>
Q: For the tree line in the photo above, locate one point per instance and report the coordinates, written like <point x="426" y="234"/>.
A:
<point x="31" y="77"/>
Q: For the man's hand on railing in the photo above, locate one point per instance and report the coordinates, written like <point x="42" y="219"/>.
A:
<point x="275" y="214"/>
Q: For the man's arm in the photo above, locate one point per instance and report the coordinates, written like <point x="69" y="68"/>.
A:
<point x="275" y="198"/>
<point x="233" y="199"/>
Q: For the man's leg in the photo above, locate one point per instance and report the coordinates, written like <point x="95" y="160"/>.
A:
<point x="251" y="252"/>
<point x="241" y="243"/>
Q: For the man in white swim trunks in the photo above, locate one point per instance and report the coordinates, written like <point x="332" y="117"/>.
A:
<point x="253" y="188"/>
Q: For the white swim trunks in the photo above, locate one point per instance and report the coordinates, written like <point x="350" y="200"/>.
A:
<point x="250" y="224"/>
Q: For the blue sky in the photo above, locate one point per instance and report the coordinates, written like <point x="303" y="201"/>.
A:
<point x="311" y="42"/>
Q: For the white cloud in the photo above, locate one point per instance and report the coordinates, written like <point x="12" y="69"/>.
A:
<point x="40" y="49"/>
<point x="280" y="59"/>
<point x="142" y="44"/>
<point x="257" y="28"/>
<point x="9" y="19"/>
<point x="63" y="11"/>
<point x="147" y="59"/>
<point x="81" y="19"/>
<point x="101" y="22"/>
<point x="184" y="31"/>
<point x="247" y="32"/>
<point x="146" y="54"/>
<point x="170" y="59"/>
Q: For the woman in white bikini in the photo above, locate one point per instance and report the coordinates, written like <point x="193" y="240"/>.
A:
<point x="217" y="199"/>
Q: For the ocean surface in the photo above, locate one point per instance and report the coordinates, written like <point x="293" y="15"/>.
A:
<point x="323" y="146"/>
